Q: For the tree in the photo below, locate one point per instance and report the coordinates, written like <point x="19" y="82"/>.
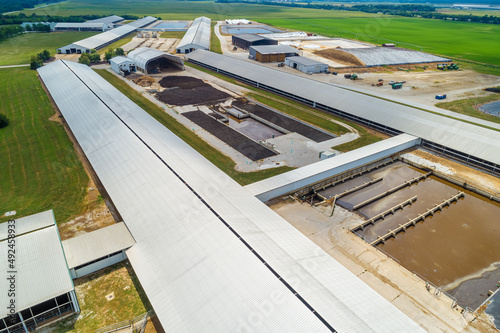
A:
<point x="93" y="51"/>
<point x="46" y="55"/>
<point x="119" y="52"/>
<point x="4" y="121"/>
<point x="109" y="54"/>
<point x="36" y="62"/>
<point x="95" y="57"/>
<point x="84" y="59"/>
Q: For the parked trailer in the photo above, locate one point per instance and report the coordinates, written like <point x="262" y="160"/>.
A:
<point x="441" y="96"/>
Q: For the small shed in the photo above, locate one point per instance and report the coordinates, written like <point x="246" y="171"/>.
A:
<point x="306" y="65"/>
<point x="272" y="53"/>
<point x="244" y="41"/>
<point x="122" y="65"/>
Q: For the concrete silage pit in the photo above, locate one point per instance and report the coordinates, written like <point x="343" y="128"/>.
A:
<point x="455" y="248"/>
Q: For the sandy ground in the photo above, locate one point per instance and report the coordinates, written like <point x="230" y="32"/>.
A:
<point x="403" y="289"/>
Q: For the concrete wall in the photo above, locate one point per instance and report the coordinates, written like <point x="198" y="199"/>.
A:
<point x="291" y="181"/>
<point x="122" y="66"/>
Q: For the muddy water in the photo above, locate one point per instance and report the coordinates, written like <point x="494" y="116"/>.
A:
<point x="457" y="249"/>
<point x="253" y="129"/>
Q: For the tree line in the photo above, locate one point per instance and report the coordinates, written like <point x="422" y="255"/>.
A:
<point x="406" y="10"/>
<point x="20" y="18"/>
<point x="10" y="5"/>
<point x="10" y="31"/>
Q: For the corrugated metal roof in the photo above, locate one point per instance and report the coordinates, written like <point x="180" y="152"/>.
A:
<point x="108" y="19"/>
<point x="461" y="136"/>
<point x="97" y="41"/>
<point x="360" y="156"/>
<point x="71" y="25"/>
<point x="305" y="61"/>
<point x="28" y="223"/>
<point x="41" y="268"/>
<point x="97" y="244"/>
<point x="143" y="55"/>
<point x="378" y="56"/>
<point x="195" y="228"/>
<point x="198" y="34"/>
<point x="250" y="37"/>
<point x="274" y="49"/>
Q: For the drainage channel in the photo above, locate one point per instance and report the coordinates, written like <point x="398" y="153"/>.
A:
<point x="281" y="279"/>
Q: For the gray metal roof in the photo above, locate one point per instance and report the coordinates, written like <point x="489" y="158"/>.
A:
<point x="120" y="60"/>
<point x="274" y="49"/>
<point x="143" y="55"/>
<point x="108" y="19"/>
<point x="378" y="56"/>
<point x="72" y="25"/>
<point x="305" y="61"/>
<point x="198" y="34"/>
<point x="28" y="223"/>
<point x="97" y="244"/>
<point x="97" y="41"/>
<point x="41" y="268"/>
<point x="209" y="255"/>
<point x="251" y="37"/>
<point x="461" y="136"/>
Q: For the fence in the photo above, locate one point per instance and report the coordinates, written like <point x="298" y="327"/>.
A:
<point x="134" y="325"/>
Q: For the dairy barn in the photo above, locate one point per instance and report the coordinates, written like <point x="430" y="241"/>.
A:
<point x="306" y="65"/>
<point x="197" y="36"/>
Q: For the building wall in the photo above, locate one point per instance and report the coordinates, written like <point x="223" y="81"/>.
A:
<point x="94" y="267"/>
<point x="244" y="44"/>
<point x="122" y="66"/>
<point x="72" y="48"/>
<point x="307" y="69"/>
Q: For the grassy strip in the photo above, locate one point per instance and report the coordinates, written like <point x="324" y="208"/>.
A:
<point x="39" y="166"/>
<point x="214" y="41"/>
<point x="467" y="107"/>
<point x="268" y="98"/>
<point x="173" y="34"/>
<point x="222" y="161"/>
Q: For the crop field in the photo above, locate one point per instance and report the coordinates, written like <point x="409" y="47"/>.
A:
<point x="39" y="166"/>
<point x="471" y="41"/>
<point x="19" y="49"/>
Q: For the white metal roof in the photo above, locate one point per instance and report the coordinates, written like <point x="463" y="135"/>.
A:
<point x="97" y="41"/>
<point x="143" y="55"/>
<point x="120" y="60"/>
<point x="274" y="49"/>
<point x="108" y="19"/>
<point x="72" y="25"/>
<point x="28" y="223"/>
<point x="41" y="268"/>
<point x="305" y="61"/>
<point x="461" y="136"/>
<point x="315" y="172"/>
<point x="198" y="34"/>
<point x="209" y="255"/>
<point x="97" y="244"/>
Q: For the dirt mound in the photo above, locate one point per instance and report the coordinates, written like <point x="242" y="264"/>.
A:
<point x="205" y="94"/>
<point x="339" y="56"/>
<point x="144" y="81"/>
<point x="184" y="82"/>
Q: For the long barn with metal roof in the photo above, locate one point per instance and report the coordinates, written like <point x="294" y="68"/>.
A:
<point x="470" y="143"/>
<point x="149" y="60"/>
<point x="206" y="261"/>
<point x="103" y="39"/>
<point x="197" y="36"/>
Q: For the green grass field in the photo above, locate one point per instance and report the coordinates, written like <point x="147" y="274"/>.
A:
<point x="39" y="167"/>
<point x="214" y="40"/>
<point x="19" y="49"/>
<point x="173" y="34"/>
<point x="467" y="107"/>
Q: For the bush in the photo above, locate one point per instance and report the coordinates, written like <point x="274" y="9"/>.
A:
<point x="119" y="52"/>
<point x="4" y="121"/>
<point x="84" y="59"/>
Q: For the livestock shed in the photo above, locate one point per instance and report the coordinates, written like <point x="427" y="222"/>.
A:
<point x="98" y="249"/>
<point x="207" y="262"/>
<point x="244" y="41"/>
<point x="462" y="137"/>
<point x="85" y="26"/>
<point x="379" y="56"/>
<point x="40" y="278"/>
<point x="103" y="39"/>
<point x="197" y="36"/>
<point x="153" y="61"/>
<point x="109" y="20"/>
<point x="306" y="65"/>
<point x="272" y="53"/>
<point x="122" y="65"/>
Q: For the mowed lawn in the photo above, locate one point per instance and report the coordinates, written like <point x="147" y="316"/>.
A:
<point x="19" y="49"/>
<point x="39" y="167"/>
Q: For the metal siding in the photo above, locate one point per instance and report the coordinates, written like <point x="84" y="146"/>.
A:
<point x="197" y="274"/>
<point x="28" y="223"/>
<point x="468" y="138"/>
<point x="98" y="265"/>
<point x="143" y="55"/>
<point x="197" y="36"/>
